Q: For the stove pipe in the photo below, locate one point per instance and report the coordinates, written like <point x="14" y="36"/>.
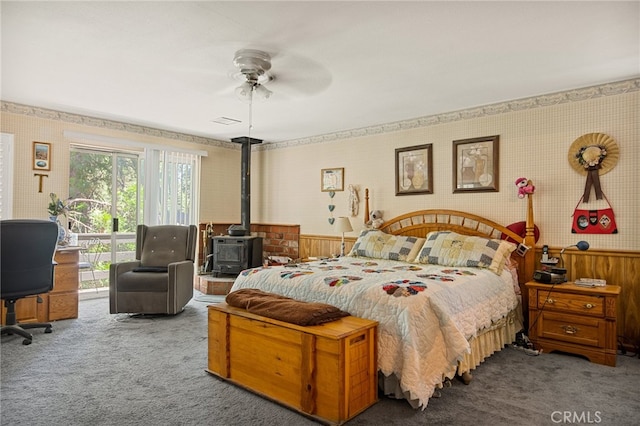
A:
<point x="245" y="182"/>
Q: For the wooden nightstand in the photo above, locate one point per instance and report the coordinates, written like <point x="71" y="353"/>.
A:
<point x="570" y="318"/>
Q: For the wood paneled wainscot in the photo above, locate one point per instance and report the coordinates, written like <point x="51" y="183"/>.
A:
<point x="59" y="303"/>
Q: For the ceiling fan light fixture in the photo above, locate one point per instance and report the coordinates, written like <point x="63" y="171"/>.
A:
<point x="253" y="66"/>
<point x="244" y="91"/>
<point x="262" y="93"/>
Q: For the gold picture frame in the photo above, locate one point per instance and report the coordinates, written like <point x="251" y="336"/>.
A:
<point x="332" y="179"/>
<point x="476" y="164"/>
<point x="414" y="170"/>
<point x="41" y="156"/>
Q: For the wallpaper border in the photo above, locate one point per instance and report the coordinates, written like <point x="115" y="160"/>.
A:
<point x="575" y="95"/>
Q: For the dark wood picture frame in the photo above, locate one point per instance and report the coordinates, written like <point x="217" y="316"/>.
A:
<point x="41" y="156"/>
<point x="414" y="170"/>
<point x="332" y="179"/>
<point x="476" y="164"/>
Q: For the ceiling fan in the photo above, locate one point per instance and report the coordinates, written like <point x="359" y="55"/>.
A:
<point x="297" y="76"/>
<point x="253" y="66"/>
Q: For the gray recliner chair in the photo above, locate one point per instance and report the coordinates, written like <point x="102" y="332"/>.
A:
<point x="160" y="281"/>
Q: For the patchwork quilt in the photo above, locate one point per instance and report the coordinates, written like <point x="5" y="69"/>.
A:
<point x="426" y="313"/>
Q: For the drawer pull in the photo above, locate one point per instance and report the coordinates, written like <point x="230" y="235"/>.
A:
<point x="569" y="329"/>
<point x="589" y="305"/>
<point x="551" y="301"/>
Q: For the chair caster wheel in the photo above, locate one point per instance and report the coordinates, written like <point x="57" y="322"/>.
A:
<point x="26" y="342"/>
<point x="48" y="330"/>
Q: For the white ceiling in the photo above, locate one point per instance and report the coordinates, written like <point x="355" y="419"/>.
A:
<point x="338" y="65"/>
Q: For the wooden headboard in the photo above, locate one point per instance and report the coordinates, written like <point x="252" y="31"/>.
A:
<point x="420" y="223"/>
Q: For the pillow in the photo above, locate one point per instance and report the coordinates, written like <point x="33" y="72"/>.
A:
<point x="376" y="244"/>
<point x="452" y="249"/>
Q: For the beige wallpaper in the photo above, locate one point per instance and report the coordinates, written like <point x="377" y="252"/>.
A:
<point x="534" y="143"/>
<point x="219" y="178"/>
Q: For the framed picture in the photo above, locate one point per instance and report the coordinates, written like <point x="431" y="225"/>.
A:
<point x="41" y="156"/>
<point x="475" y="164"/>
<point x="414" y="170"/>
<point x="332" y="179"/>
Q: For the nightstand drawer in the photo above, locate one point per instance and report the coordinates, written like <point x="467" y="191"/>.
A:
<point x="574" y="303"/>
<point x="585" y="331"/>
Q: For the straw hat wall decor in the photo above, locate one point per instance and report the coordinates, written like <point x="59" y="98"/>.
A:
<point x="593" y="155"/>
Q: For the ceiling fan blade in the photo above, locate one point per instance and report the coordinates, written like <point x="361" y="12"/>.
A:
<point x="298" y="75"/>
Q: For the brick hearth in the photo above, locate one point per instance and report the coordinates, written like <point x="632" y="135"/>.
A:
<point x="209" y="284"/>
<point x="277" y="240"/>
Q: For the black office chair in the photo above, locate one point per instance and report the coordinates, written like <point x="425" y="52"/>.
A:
<point x="27" y="248"/>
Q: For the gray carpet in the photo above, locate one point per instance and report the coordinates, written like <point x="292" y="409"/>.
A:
<point x="103" y="369"/>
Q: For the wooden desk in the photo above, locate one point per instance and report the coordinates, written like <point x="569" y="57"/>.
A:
<point x="59" y="303"/>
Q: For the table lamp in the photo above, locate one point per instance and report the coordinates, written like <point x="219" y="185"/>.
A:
<point x="581" y="245"/>
<point x="343" y="225"/>
<point x="558" y="275"/>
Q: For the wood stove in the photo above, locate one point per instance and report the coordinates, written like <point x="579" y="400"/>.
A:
<point x="232" y="254"/>
<point x="239" y="250"/>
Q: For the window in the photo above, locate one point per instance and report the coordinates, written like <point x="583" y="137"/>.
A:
<point x="6" y="176"/>
<point x="172" y="187"/>
<point x="169" y="178"/>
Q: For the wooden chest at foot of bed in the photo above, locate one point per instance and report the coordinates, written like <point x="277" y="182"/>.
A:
<point x="327" y="371"/>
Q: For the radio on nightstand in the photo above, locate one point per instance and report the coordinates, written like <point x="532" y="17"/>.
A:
<point x="552" y="276"/>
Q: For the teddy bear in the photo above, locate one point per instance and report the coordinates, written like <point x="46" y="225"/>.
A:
<point x="375" y="220"/>
<point x="524" y="187"/>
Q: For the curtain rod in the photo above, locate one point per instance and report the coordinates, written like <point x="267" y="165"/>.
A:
<point x="88" y="137"/>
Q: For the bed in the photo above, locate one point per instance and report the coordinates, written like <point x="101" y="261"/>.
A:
<point x="442" y="284"/>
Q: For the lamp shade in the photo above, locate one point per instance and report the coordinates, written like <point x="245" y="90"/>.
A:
<point x="245" y="92"/>
<point x="580" y="245"/>
<point x="262" y="93"/>
<point x="343" y="225"/>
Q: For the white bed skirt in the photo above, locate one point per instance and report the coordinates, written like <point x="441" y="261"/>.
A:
<point x="488" y="341"/>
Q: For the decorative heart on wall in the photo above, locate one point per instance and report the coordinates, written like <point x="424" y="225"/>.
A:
<point x="331" y="207"/>
<point x="331" y="220"/>
<point x="332" y="194"/>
